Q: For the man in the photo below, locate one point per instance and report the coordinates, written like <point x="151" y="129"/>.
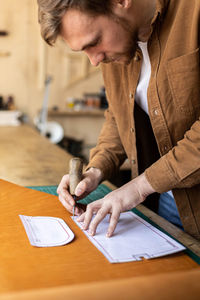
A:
<point x="149" y="52"/>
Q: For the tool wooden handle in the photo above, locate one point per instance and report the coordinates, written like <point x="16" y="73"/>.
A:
<point x="75" y="173"/>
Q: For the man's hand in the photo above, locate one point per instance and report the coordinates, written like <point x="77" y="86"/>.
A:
<point x="125" y="198"/>
<point x="90" y="181"/>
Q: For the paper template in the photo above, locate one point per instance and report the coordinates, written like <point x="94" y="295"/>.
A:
<point x="46" y="231"/>
<point x="133" y="239"/>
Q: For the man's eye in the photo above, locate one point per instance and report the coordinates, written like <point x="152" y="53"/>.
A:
<point x="93" y="45"/>
<point x="97" y="42"/>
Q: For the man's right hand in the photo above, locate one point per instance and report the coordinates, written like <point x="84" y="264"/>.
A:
<point x="90" y="180"/>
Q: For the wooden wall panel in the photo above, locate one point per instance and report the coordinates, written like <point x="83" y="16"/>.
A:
<point x="28" y="60"/>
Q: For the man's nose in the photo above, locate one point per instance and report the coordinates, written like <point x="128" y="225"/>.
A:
<point x="95" y="59"/>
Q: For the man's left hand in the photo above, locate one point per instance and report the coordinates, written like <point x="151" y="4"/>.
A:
<point x="122" y="199"/>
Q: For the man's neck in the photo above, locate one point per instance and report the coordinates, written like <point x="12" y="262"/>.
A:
<point x="145" y="10"/>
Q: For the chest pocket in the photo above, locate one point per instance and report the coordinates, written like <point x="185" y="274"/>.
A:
<point x="184" y="80"/>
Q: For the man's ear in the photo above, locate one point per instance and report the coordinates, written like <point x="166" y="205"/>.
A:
<point x="122" y="3"/>
<point x="120" y="7"/>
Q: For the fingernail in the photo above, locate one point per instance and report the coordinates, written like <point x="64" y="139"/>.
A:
<point x="107" y="234"/>
<point x="79" y="192"/>
<point x="77" y="211"/>
<point x="91" y="232"/>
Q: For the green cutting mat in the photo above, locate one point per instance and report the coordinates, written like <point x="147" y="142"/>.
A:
<point x="99" y="193"/>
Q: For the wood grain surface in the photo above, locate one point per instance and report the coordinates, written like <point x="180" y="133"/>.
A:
<point x="27" y="158"/>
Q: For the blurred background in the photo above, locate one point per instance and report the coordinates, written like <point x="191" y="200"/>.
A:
<point x="51" y="89"/>
<point x="53" y="82"/>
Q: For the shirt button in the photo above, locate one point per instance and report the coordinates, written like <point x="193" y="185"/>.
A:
<point x="133" y="161"/>
<point x="165" y="148"/>
<point x="136" y="57"/>
<point x="156" y="112"/>
<point x="131" y="96"/>
<point x="132" y="129"/>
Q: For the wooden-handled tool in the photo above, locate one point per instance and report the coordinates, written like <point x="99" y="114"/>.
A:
<point x="75" y="175"/>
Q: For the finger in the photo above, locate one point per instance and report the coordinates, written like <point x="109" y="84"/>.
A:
<point x="88" y="216"/>
<point x="62" y="191"/>
<point x="66" y="197"/>
<point x="64" y="183"/>
<point x="67" y="200"/>
<point x="65" y="204"/>
<point x="85" y="185"/>
<point x="78" y="210"/>
<point x="82" y="187"/>
<point x="113" y="222"/>
<point x="81" y="217"/>
<point x="97" y="219"/>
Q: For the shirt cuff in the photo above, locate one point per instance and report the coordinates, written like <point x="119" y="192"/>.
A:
<point x="160" y="176"/>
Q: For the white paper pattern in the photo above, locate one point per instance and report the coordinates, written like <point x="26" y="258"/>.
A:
<point x="46" y="231"/>
<point x="133" y="239"/>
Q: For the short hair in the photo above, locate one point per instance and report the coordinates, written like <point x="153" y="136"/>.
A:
<point x="50" y="13"/>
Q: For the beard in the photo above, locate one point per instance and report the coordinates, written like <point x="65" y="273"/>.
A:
<point x="130" y="45"/>
<point x="124" y="57"/>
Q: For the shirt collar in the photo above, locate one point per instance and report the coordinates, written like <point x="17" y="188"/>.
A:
<point x="161" y="7"/>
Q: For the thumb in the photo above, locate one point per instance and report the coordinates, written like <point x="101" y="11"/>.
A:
<point x="81" y="188"/>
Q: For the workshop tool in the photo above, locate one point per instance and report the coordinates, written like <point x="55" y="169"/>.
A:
<point x="50" y="129"/>
<point x="75" y="176"/>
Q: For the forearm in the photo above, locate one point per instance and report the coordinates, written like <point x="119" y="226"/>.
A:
<point x="109" y="152"/>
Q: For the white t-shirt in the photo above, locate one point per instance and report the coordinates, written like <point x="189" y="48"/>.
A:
<point x="141" y="91"/>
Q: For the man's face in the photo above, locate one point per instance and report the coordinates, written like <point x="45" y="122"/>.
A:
<point x="102" y="38"/>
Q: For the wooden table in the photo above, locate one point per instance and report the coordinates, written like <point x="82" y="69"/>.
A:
<point x="77" y="269"/>
<point x="27" y="158"/>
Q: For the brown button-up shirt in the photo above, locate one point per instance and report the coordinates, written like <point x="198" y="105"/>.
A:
<point x="174" y="109"/>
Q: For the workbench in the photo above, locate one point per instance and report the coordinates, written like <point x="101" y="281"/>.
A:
<point x="27" y="158"/>
<point x="77" y="270"/>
